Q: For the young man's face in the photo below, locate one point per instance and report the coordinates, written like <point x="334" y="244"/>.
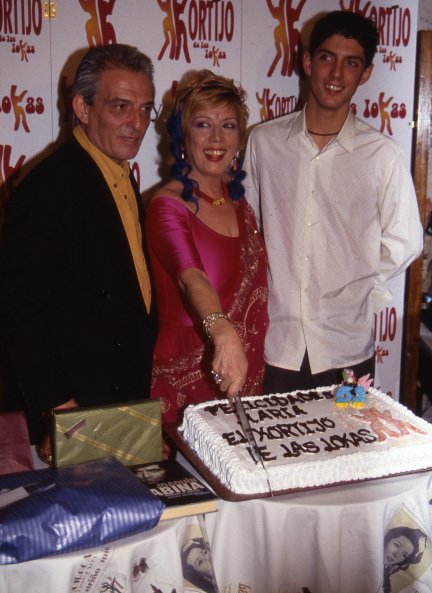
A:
<point x="335" y="71"/>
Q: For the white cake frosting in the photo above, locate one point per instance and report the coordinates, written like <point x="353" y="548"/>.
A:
<point x="307" y="441"/>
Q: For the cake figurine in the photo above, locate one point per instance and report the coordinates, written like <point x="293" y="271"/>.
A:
<point x="353" y="391"/>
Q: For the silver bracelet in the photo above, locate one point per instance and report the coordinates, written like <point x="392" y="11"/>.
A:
<point x="210" y="319"/>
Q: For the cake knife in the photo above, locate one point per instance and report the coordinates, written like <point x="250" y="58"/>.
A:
<point x="247" y="429"/>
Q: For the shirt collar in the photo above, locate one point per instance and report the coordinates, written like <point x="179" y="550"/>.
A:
<point x="346" y="133"/>
<point x="115" y="170"/>
<point x="298" y="124"/>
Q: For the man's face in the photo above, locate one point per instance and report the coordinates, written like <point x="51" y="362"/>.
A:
<point x="120" y="115"/>
<point x="335" y="71"/>
<point x="153" y="472"/>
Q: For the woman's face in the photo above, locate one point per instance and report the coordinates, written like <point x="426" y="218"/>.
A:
<point x="199" y="560"/>
<point x="212" y="139"/>
<point x="397" y="550"/>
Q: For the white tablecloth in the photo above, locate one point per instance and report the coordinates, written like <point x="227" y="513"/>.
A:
<point x="324" y="541"/>
<point x="109" y="569"/>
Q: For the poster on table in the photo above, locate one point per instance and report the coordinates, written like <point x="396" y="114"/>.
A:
<point x="255" y="42"/>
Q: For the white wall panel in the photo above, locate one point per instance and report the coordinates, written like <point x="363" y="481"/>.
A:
<point x="253" y="41"/>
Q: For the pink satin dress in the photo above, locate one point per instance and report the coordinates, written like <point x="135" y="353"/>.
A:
<point x="237" y="269"/>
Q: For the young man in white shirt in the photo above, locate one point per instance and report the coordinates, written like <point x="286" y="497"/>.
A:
<point x="338" y="211"/>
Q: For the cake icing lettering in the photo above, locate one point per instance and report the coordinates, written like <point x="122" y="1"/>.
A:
<point x="281" y="414"/>
<point x="266" y="454"/>
<point x="281" y="431"/>
<point x="295" y="449"/>
<point x="219" y="407"/>
<point x="305" y="431"/>
<point x="237" y="438"/>
<point x="283" y="401"/>
<point x="258" y="416"/>
<point x="234" y="438"/>
<point x="344" y="441"/>
<point x="299" y="397"/>
<point x="381" y="425"/>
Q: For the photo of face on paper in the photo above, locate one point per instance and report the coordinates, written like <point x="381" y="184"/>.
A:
<point x="197" y="564"/>
<point x="407" y="553"/>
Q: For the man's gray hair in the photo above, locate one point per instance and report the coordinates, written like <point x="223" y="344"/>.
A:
<point x="105" y="57"/>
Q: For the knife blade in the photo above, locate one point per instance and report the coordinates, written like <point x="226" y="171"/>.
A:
<point x="248" y="432"/>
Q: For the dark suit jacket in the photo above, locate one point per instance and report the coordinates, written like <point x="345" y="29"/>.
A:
<point x="75" y="321"/>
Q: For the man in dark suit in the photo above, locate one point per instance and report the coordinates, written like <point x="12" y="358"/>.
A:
<point x="77" y="305"/>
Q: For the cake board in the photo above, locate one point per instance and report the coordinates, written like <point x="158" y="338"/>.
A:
<point x="223" y="492"/>
<point x="220" y="489"/>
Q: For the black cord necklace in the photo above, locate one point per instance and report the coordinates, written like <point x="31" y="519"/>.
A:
<point x="321" y="134"/>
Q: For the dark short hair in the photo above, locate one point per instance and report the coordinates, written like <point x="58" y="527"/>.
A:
<point x="105" y="57"/>
<point x="350" y="25"/>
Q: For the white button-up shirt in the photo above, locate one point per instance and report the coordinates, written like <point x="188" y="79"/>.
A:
<point x="337" y="222"/>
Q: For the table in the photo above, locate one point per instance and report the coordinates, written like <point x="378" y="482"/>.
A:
<point x="324" y="541"/>
<point x="129" y="565"/>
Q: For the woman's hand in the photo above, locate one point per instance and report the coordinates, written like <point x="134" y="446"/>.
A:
<point x="229" y="360"/>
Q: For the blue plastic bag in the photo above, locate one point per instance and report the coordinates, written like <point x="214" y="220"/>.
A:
<point x="73" y="508"/>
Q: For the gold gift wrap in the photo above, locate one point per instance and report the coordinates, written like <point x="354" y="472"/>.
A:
<point x="130" y="432"/>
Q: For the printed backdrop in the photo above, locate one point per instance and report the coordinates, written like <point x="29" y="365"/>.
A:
<point x="253" y="41"/>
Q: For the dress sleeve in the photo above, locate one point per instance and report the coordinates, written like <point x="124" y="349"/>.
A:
<point x="169" y="236"/>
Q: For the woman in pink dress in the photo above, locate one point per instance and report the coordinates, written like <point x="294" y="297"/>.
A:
<point x="208" y="258"/>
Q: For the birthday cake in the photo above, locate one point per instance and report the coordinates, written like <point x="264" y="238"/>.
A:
<point x="306" y="440"/>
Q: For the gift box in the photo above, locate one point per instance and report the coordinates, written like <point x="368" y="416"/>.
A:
<point x="53" y="511"/>
<point x="15" y="449"/>
<point x="131" y="432"/>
